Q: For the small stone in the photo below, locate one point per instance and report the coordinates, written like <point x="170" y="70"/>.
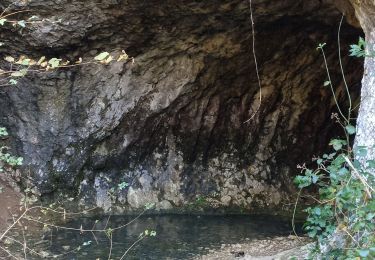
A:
<point x="165" y="204"/>
<point x="226" y="200"/>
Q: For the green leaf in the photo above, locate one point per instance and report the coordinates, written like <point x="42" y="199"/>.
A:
<point x="54" y="62"/>
<point x="317" y="211"/>
<point x="371" y="163"/>
<point x="321" y="46"/>
<point x="25" y="62"/>
<point x="13" y="82"/>
<point x="3" y="21"/>
<point x="302" y="181"/>
<point x="363" y="252"/>
<point x="370" y="216"/>
<point x="22" y="23"/>
<point x="350" y="129"/>
<point x="314" y="178"/>
<point x="327" y="83"/>
<point x="3" y="132"/>
<point x="102" y="56"/>
<point x="20" y="73"/>
<point x="337" y="144"/>
<point x="361" y="151"/>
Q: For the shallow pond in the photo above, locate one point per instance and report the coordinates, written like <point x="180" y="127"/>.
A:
<point x="178" y="236"/>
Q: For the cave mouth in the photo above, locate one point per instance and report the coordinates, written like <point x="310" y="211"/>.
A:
<point x="183" y="125"/>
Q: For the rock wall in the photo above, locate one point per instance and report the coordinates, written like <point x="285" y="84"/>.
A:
<point x="173" y="124"/>
<point x="365" y="136"/>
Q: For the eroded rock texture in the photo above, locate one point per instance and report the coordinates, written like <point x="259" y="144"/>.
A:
<point x="366" y="120"/>
<point x="173" y="124"/>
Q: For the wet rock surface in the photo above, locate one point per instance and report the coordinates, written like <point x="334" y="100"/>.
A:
<point x="173" y="125"/>
<point x="275" y="248"/>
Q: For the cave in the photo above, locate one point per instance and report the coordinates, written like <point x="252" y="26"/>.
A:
<point x="185" y="120"/>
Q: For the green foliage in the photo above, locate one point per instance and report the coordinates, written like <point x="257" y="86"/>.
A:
<point x="3" y="132"/>
<point x="5" y="157"/>
<point x="345" y="204"/>
<point x="122" y="185"/>
<point x="342" y="222"/>
<point x="359" y="50"/>
<point x="148" y="233"/>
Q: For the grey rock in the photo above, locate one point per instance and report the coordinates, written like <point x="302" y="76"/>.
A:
<point x="173" y="124"/>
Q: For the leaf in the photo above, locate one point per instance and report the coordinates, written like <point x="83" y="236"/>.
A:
<point x="9" y="59"/>
<point x="87" y="243"/>
<point x="370" y="216"/>
<point x="317" y="211"/>
<point x="22" y="23"/>
<point x="41" y="60"/>
<point x="337" y="144"/>
<point x="361" y="42"/>
<point x="327" y="83"/>
<point x="33" y="18"/>
<point x="79" y="61"/>
<point x="314" y="178"/>
<point x="350" y="129"/>
<point x="3" y="132"/>
<point x="371" y="163"/>
<point x="302" y="181"/>
<point x="54" y="62"/>
<point x="20" y="73"/>
<point x="26" y="62"/>
<point x="3" y="21"/>
<point x="108" y="60"/>
<point x="363" y="252"/>
<point x="102" y="56"/>
<point x="13" y="82"/>
<point x="321" y="45"/>
<point x="123" y="56"/>
<point x="361" y="151"/>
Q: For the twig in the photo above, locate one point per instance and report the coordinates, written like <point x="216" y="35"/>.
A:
<point x="255" y="61"/>
<point x="24" y="244"/>
<point x="9" y="253"/>
<point x="294" y="214"/>
<point x="360" y="177"/>
<point x="342" y="69"/>
<point x="136" y="242"/>
<point x="15" y="222"/>
<point x="110" y="247"/>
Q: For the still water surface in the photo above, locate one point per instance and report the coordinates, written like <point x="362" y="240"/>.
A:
<point x="178" y="236"/>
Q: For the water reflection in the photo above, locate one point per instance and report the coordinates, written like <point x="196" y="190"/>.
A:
<point x="178" y="236"/>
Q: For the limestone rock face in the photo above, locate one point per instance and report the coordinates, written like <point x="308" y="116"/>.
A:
<point x="364" y="10"/>
<point x="173" y="126"/>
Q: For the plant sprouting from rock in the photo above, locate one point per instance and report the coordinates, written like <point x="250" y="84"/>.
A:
<point x="343" y="220"/>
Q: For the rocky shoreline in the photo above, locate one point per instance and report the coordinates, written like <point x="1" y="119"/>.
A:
<point x="290" y="247"/>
